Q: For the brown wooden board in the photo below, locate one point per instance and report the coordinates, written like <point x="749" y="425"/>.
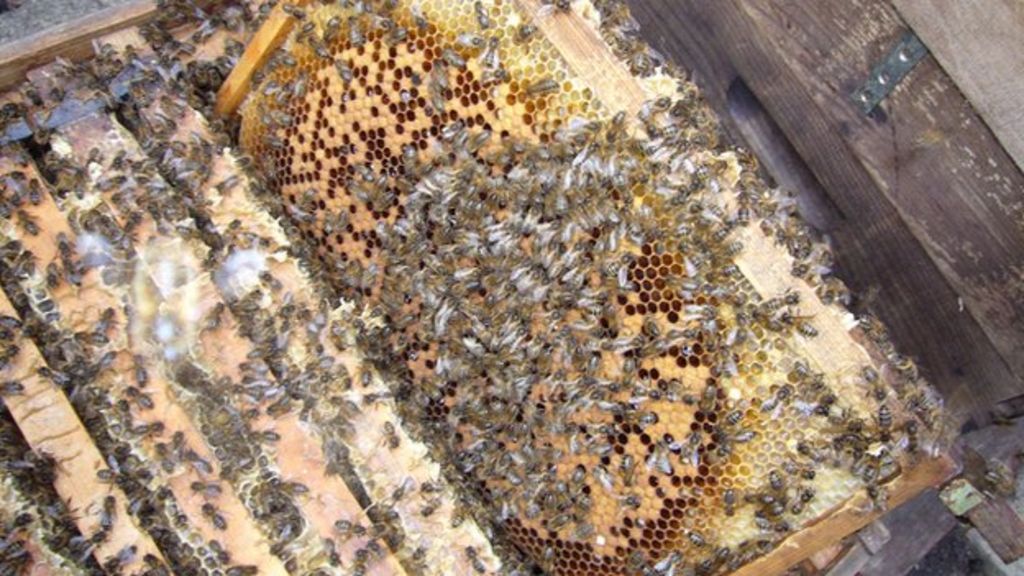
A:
<point x="927" y="199"/>
<point x="1002" y="528"/>
<point x="915" y="528"/>
<point x="72" y="40"/>
<point x="979" y="44"/>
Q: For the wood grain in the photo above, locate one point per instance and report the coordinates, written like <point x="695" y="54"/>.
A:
<point x="979" y="44"/>
<point x="929" y="200"/>
<point x="928" y="152"/>
<point x="72" y="40"/>
<point x="1002" y="527"/>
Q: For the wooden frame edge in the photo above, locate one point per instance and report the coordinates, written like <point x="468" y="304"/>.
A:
<point x="72" y="40"/>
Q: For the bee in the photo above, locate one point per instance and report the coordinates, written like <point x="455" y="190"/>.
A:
<point x="542" y="87"/>
<point x="294" y="11"/>
<point x="659" y="459"/>
<point x="524" y="32"/>
<point x="743" y="436"/>
<point x="215" y="517"/>
<point x="348" y="529"/>
<point x="489" y="59"/>
<point x="999" y="479"/>
<point x="453" y="59"/>
<point x="331" y="29"/>
<point x="884" y="421"/>
<point x="627" y="470"/>
<point x="482" y="18"/>
<point x="140" y="372"/>
<point x="27" y="223"/>
<point x="213" y="319"/>
<point x="474" y="558"/>
<point x="53" y="276"/>
<point x="397" y="35"/>
<point x="630" y="501"/>
<point x="141" y="399"/>
<point x="11" y="388"/>
<point x="206" y="489"/>
<point x="373" y="397"/>
<point x="269" y="436"/>
<point x="775" y="481"/>
<point x="108" y="513"/>
<point x="419" y="557"/>
<point x="879" y="497"/>
<point x="430" y="507"/>
<point x="911" y="431"/>
<point x="762" y="523"/>
<point x="734" y="417"/>
<point x="355" y="32"/>
<point x="709" y="397"/>
<point x="604" y="478"/>
<point x="391" y="438"/>
<point x="696" y="538"/>
<point x="805" y="328"/>
<point x="561" y="6"/>
<point x="470" y="40"/>
<point x="729" y="500"/>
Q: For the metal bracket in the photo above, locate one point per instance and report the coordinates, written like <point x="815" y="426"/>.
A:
<point x="887" y="74"/>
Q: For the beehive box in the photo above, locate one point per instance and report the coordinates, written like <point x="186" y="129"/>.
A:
<point x="707" y="403"/>
<point x="588" y="342"/>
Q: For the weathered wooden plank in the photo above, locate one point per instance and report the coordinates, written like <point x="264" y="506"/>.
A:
<point x="73" y="40"/>
<point x="1001" y="526"/>
<point x="972" y="230"/>
<point x="979" y="45"/>
<point x="914" y="528"/>
<point x="877" y="252"/>
<point x="929" y="138"/>
<point x="851" y="562"/>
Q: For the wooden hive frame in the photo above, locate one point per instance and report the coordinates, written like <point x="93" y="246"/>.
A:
<point x="764" y="263"/>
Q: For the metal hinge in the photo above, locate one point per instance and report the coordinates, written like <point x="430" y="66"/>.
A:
<point x="888" y="73"/>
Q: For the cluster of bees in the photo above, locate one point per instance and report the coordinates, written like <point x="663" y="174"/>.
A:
<point x="550" y="290"/>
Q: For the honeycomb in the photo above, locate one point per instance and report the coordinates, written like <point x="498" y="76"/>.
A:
<point x="555" y="297"/>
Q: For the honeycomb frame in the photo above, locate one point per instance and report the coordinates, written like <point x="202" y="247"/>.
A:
<point x="550" y="64"/>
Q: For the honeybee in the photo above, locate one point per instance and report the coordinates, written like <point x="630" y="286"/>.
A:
<point x="390" y="436"/>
